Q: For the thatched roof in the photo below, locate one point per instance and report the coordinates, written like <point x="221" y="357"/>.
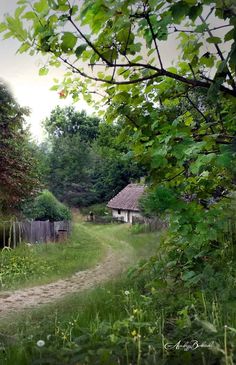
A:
<point x="128" y="198"/>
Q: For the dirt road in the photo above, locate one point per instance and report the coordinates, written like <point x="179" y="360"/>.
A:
<point x="114" y="263"/>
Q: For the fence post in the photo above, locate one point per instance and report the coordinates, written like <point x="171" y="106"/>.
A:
<point x="4" y="235"/>
<point x="14" y="234"/>
<point x="9" y="238"/>
<point x="19" y="228"/>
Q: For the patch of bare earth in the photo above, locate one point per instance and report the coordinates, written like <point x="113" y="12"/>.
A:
<point x="112" y="265"/>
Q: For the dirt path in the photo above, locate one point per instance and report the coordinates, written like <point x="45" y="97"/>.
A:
<point x="114" y="263"/>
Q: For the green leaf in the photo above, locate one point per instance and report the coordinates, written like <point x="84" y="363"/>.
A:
<point x="213" y="40"/>
<point x="41" y="6"/>
<point x="80" y="49"/>
<point x="24" y="47"/>
<point x="29" y="15"/>
<point x="55" y="87"/>
<point x="229" y="35"/>
<point x="188" y="275"/>
<point x="232" y="60"/>
<point x="43" y="71"/>
<point x="68" y="41"/>
<point x="195" y="11"/>
<point x="179" y="10"/>
<point x="3" y="27"/>
<point x="209" y="327"/>
<point x="19" y="11"/>
<point x="74" y="9"/>
<point x="201" y="28"/>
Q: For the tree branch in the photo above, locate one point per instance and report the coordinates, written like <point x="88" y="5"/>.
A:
<point x="199" y="111"/>
<point x="154" y="40"/>
<point x="158" y="73"/>
<point x="204" y="31"/>
<point x="88" y="41"/>
<point x="218" y="51"/>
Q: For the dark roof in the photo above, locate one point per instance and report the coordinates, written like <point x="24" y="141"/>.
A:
<point x="128" y="198"/>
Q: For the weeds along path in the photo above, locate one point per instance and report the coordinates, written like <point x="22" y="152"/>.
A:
<point x="119" y="254"/>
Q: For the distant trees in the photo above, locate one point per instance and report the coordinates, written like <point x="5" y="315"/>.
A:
<point x="19" y="174"/>
<point x="87" y="161"/>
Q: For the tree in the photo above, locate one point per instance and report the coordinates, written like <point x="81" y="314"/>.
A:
<point x="68" y="122"/>
<point x="122" y="48"/>
<point x="180" y="120"/>
<point x="19" y="175"/>
<point x="88" y="162"/>
<point x="117" y="27"/>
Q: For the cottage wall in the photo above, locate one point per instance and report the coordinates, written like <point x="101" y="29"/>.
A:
<point x="125" y="215"/>
<point x="120" y="214"/>
<point x="134" y="214"/>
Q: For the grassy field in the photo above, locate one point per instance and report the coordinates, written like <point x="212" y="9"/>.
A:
<point x="112" y="325"/>
<point x="57" y="323"/>
<point x="43" y="263"/>
<point x="128" y="320"/>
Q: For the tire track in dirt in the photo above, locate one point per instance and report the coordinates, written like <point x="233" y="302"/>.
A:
<point x="113" y="264"/>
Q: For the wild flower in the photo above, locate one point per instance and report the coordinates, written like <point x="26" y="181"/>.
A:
<point x="40" y="343"/>
<point x="127" y="292"/>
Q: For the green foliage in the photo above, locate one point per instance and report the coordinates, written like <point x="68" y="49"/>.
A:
<point x="180" y="123"/>
<point x="19" y="174"/>
<point x="199" y="252"/>
<point x="97" y="326"/>
<point x="87" y="160"/>
<point x="137" y="228"/>
<point x="16" y="267"/>
<point x="46" y="207"/>
<point x="64" y="122"/>
<point x="97" y="209"/>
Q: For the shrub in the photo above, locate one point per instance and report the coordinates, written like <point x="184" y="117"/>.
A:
<point x="97" y="209"/>
<point x="46" y="207"/>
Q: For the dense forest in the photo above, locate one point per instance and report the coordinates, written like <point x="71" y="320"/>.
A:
<point x="85" y="159"/>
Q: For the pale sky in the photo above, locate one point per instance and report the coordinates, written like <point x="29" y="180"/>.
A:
<point x="20" y="71"/>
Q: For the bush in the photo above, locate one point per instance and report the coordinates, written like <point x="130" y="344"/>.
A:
<point x="138" y="228"/>
<point x="97" y="209"/>
<point x="46" y="207"/>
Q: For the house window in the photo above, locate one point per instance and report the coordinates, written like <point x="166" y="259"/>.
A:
<point x="119" y="212"/>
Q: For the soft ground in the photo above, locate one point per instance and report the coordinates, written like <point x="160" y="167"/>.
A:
<point x="122" y="248"/>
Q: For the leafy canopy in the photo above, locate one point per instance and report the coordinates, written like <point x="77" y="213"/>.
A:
<point x="181" y="119"/>
<point x="19" y="172"/>
<point x="87" y="161"/>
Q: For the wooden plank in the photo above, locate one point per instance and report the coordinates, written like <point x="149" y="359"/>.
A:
<point x="14" y="234"/>
<point x="4" y="235"/>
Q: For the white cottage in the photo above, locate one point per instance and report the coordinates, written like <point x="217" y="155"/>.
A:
<point x="125" y="205"/>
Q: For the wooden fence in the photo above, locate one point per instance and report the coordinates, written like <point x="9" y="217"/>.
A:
<point x="151" y="224"/>
<point x="104" y="219"/>
<point x="14" y="232"/>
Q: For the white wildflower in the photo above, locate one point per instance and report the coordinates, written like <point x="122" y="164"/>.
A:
<point x="40" y="343"/>
<point x="127" y="292"/>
